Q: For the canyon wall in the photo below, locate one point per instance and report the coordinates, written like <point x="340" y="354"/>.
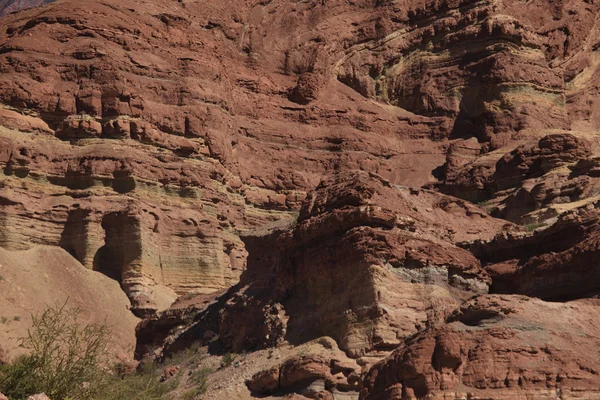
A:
<point x="415" y="179"/>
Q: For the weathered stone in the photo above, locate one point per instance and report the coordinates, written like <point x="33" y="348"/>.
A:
<point x="508" y="347"/>
<point x="367" y="264"/>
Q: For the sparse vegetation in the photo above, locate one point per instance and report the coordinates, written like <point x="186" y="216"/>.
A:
<point x="143" y="385"/>
<point x="301" y="352"/>
<point x="68" y="360"/>
<point x="64" y="358"/>
<point x="16" y="318"/>
<point x="197" y="380"/>
<point x="533" y="226"/>
<point x="3" y="320"/>
<point x="3" y="358"/>
<point x="227" y="359"/>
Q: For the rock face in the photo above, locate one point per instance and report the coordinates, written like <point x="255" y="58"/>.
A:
<point x="368" y="263"/>
<point x="140" y="151"/>
<point x="154" y="330"/>
<point x="157" y="127"/>
<point x="531" y="182"/>
<point x="500" y="347"/>
<point x="9" y="6"/>
<point x="279" y="165"/>
<point x="557" y="263"/>
<point x="113" y="214"/>
<point x="317" y="376"/>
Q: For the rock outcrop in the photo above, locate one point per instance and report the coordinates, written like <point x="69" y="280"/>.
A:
<point x="10" y="6"/>
<point x="530" y="183"/>
<point x="139" y="137"/>
<point x="368" y="264"/>
<point x="278" y="166"/>
<point x="127" y="212"/>
<point x="497" y="347"/>
<point x="191" y="124"/>
<point x="556" y="263"/>
<point x="40" y="396"/>
<point x="316" y="376"/>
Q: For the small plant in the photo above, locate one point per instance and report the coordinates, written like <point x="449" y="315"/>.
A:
<point x="533" y="226"/>
<point x="3" y="320"/>
<point x="16" y="318"/>
<point x="301" y="352"/>
<point x="227" y="359"/>
<point x="198" y="379"/>
<point x="68" y="360"/>
<point x="189" y="394"/>
<point x="187" y="357"/>
<point x="143" y="385"/>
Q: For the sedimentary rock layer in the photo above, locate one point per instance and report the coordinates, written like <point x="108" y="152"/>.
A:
<point x="498" y="347"/>
<point x="368" y="263"/>
<point x="9" y="6"/>
<point x="172" y="145"/>
<point x="243" y="107"/>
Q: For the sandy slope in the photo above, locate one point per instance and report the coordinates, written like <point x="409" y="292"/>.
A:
<point x="32" y="279"/>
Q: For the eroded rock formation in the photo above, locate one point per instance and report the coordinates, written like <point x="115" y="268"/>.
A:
<point x="267" y="162"/>
<point x="130" y="216"/>
<point x="508" y="347"/>
<point x="368" y="264"/>
<point x="399" y="268"/>
<point x="10" y="6"/>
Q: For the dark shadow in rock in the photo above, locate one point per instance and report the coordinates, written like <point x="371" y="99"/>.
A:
<point x="108" y="263"/>
<point x="123" y="184"/>
<point x="73" y="238"/>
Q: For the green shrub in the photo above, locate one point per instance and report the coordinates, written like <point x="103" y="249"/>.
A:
<point x="67" y="361"/>
<point x="16" y="380"/>
<point x="64" y="358"/>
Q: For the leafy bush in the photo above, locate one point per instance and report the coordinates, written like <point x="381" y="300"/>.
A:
<point x="64" y="358"/>
<point x="67" y="361"/>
